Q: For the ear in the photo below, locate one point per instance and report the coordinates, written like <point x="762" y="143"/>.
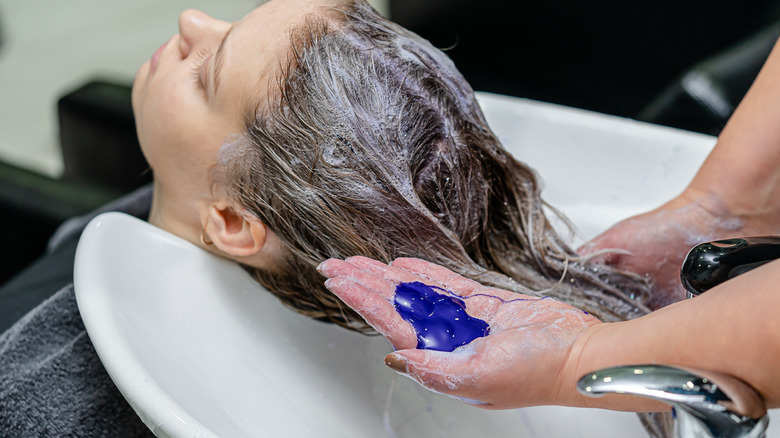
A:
<point x="237" y="234"/>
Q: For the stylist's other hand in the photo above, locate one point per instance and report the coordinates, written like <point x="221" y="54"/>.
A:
<point x="654" y="244"/>
<point x="526" y="359"/>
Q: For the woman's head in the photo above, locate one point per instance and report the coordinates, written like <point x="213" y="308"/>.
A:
<point x="367" y="141"/>
<point x="196" y="94"/>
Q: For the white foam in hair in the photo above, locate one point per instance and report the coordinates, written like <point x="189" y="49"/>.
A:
<point x="375" y="145"/>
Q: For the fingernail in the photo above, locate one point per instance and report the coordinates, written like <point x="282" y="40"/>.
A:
<point x="396" y="363"/>
<point x="322" y="268"/>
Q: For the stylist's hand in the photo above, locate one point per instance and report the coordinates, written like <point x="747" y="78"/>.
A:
<point x="522" y="362"/>
<point x="654" y="244"/>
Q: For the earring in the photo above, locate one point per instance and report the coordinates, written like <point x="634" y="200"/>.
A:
<point x="203" y="237"/>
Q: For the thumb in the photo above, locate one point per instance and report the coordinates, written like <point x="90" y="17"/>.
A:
<point x="396" y="362"/>
<point x="603" y="249"/>
<point x="598" y="243"/>
<point x="440" y="371"/>
<point x="589" y="247"/>
<point x="600" y="250"/>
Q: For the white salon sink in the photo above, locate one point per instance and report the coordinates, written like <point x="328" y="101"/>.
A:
<point x="199" y="350"/>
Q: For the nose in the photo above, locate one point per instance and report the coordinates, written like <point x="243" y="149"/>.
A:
<point x="197" y="28"/>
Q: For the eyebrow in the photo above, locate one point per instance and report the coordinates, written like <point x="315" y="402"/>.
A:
<point x="219" y="58"/>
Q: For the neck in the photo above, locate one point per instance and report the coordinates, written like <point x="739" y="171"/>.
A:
<point x="170" y="214"/>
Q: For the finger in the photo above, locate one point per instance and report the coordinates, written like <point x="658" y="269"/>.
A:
<point x="390" y="273"/>
<point x="589" y="247"/>
<point x="599" y="251"/>
<point x="439" y="371"/>
<point x="336" y="268"/>
<point x="377" y="311"/>
<point x="440" y="275"/>
<point x="481" y="302"/>
<point x="339" y="268"/>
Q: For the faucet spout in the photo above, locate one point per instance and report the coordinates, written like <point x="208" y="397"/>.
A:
<point x="705" y="404"/>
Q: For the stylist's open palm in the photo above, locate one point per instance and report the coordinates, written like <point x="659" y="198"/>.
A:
<point x="520" y="363"/>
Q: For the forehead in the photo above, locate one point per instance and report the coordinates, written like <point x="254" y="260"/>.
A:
<point x="257" y="48"/>
<point x="274" y="19"/>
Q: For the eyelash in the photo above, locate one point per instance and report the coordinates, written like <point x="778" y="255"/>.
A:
<point x="197" y="67"/>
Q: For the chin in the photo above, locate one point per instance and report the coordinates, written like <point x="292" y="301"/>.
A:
<point x="138" y="91"/>
<point x="141" y="76"/>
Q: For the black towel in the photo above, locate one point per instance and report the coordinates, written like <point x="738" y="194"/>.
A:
<point x="52" y="383"/>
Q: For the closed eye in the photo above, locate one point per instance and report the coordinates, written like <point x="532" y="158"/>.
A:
<point x="198" y="72"/>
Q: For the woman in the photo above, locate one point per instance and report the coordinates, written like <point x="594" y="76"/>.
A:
<point x="313" y="129"/>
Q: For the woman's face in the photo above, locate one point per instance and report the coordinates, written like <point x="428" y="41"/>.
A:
<point x="196" y="92"/>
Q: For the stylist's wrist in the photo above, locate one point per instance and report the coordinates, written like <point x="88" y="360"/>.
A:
<point x="573" y="369"/>
<point x="590" y="352"/>
<point x="751" y="213"/>
<point x="742" y="176"/>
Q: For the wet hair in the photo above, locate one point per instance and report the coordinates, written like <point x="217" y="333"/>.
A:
<point x="373" y="144"/>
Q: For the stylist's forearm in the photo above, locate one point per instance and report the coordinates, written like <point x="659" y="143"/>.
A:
<point x="744" y="168"/>
<point x="732" y="329"/>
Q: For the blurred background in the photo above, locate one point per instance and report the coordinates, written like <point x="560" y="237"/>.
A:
<point x="67" y="141"/>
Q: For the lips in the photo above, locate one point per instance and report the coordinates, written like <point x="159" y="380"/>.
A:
<point x="156" y="57"/>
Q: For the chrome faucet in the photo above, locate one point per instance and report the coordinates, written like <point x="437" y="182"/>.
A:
<point x="704" y="404"/>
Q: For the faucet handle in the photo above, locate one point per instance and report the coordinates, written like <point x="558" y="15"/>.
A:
<point x="704" y="403"/>
<point x="711" y="263"/>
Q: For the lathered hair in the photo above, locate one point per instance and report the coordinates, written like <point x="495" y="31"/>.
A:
<point x="373" y="144"/>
